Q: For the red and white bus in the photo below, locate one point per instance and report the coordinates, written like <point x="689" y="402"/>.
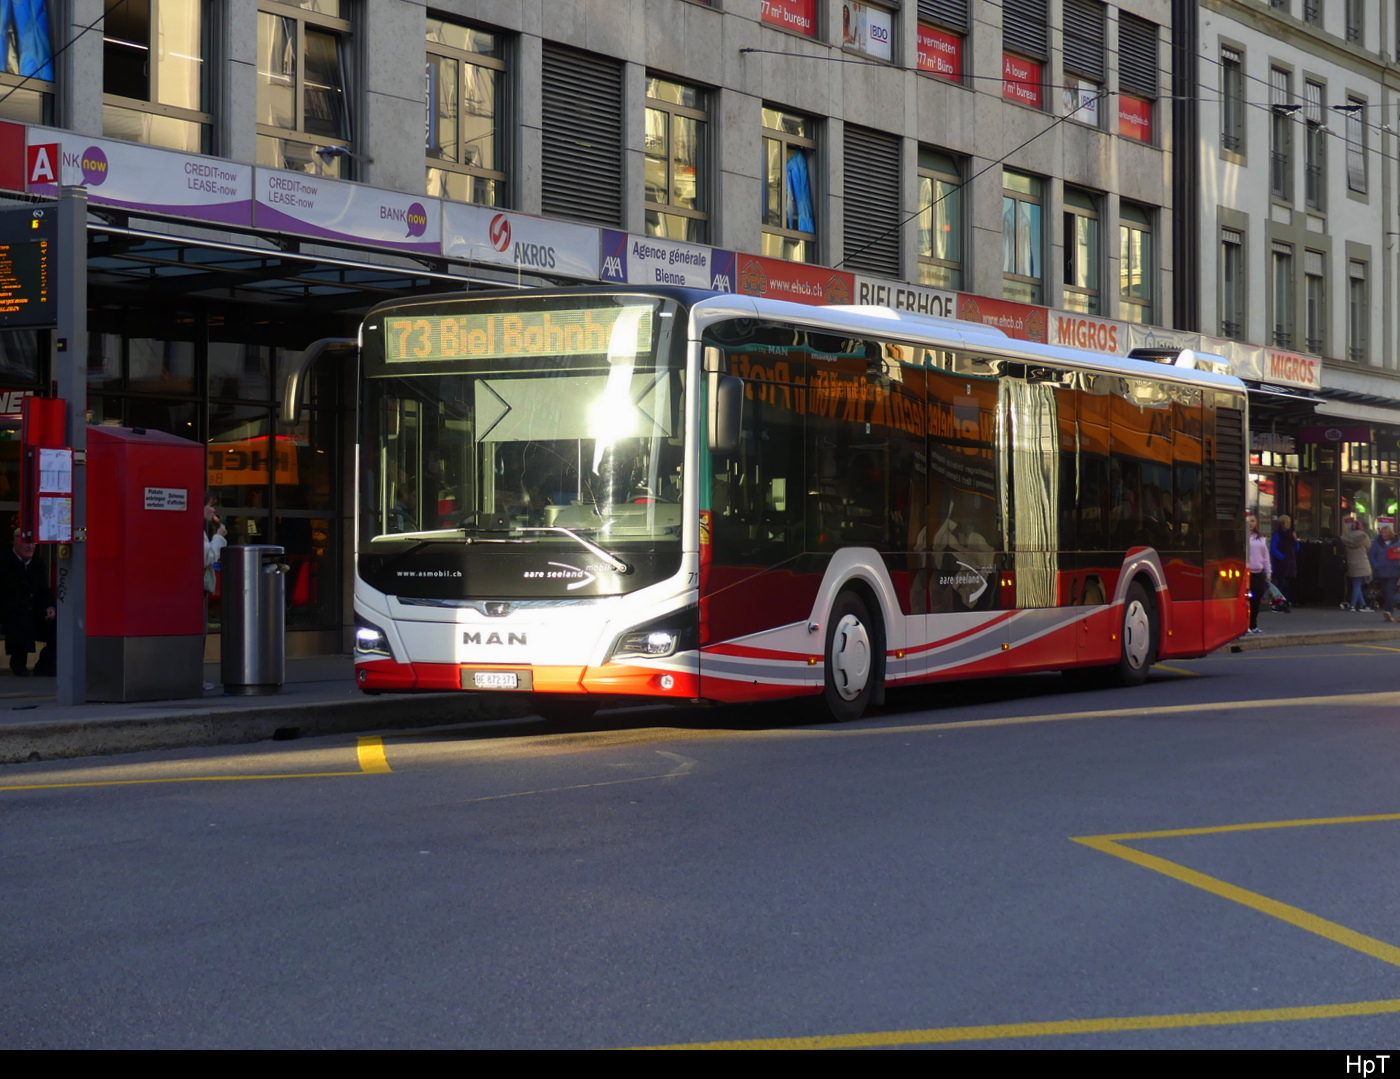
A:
<point x="602" y="495"/>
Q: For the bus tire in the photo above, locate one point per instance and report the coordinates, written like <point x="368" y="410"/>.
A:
<point x="1138" y="639"/>
<point x="853" y="667"/>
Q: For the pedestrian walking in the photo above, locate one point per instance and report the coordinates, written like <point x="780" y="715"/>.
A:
<point x="1356" y="543"/>
<point x="1260" y="571"/>
<point x="1283" y="553"/>
<point x="1385" y="564"/>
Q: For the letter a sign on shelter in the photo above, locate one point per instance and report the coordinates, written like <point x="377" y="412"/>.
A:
<point x="41" y="163"/>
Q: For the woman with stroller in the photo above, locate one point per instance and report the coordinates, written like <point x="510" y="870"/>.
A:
<point x="1385" y="565"/>
<point x="1355" y="543"/>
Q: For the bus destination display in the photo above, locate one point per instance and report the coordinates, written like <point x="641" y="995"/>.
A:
<point x="27" y="271"/>
<point x="518" y="334"/>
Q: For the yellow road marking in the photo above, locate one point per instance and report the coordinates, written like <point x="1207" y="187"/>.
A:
<point x="1382" y="647"/>
<point x="370" y="751"/>
<point x="177" y="779"/>
<point x="1065" y="1026"/>
<point x="1175" y="670"/>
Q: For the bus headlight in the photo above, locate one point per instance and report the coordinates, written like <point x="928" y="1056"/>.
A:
<point x="370" y="640"/>
<point x="664" y="636"/>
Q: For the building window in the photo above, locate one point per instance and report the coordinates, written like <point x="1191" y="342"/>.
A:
<point x="677" y="161"/>
<point x="1022" y="237"/>
<point x="1232" y="104"/>
<point x="871" y="236"/>
<point x="303" y="107"/>
<point x="26" y="63"/>
<point x="581" y="136"/>
<point x="1312" y="12"/>
<point x="1314" y="302"/>
<point x="1081" y="252"/>
<point x="155" y="89"/>
<point x="1232" y="284"/>
<point x="1282" y="270"/>
<point x="464" y="80"/>
<point x="1355" y="110"/>
<point x="789" y="202"/>
<point x="1281" y="110"/>
<point x="799" y="16"/>
<point x="1135" y="263"/>
<point x="940" y="220"/>
<point x="942" y="38"/>
<point x="868" y="29"/>
<point x="1138" y="76"/>
<point x="1358" y="311"/>
<point x="1356" y="22"/>
<point x="1084" y="48"/>
<point x="1025" y="48"/>
<point x="1314" y="148"/>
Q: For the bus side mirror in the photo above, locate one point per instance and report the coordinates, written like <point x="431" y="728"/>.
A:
<point x="726" y="413"/>
<point x="294" y="387"/>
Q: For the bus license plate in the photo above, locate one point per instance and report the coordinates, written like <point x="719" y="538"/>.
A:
<point x="496" y="680"/>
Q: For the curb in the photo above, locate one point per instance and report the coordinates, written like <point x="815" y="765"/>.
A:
<point x="1338" y="636"/>
<point x="67" y="738"/>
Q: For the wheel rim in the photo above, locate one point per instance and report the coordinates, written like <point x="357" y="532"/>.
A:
<point x="1137" y="633"/>
<point x="850" y="657"/>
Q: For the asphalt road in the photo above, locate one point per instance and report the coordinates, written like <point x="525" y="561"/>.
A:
<point x="1206" y="861"/>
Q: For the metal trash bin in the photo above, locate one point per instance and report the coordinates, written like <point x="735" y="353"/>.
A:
<point x="254" y="623"/>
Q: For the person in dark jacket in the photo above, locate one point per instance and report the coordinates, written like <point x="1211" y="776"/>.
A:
<point x="1385" y="565"/>
<point x="1283" y="551"/>
<point x="27" y="612"/>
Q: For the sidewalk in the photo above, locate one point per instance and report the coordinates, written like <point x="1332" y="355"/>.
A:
<point x="320" y="697"/>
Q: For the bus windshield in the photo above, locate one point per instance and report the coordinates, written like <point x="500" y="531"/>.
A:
<point x="520" y="421"/>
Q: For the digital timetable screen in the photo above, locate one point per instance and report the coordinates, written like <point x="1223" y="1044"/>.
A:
<point x="27" y="272"/>
<point x="497" y="335"/>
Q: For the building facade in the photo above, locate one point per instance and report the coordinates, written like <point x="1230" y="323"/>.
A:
<point x="260" y="174"/>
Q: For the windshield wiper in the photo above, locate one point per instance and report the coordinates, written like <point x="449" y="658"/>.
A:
<point x="617" y="564"/>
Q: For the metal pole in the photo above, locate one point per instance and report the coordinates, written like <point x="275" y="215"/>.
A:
<point x="68" y="363"/>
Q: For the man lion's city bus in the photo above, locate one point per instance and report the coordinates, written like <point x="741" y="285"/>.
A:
<point x="601" y="496"/>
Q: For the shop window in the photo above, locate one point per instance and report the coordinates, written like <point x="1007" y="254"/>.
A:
<point x="304" y="121"/>
<point x="1233" y="284"/>
<point x="942" y="38"/>
<point x="1135" y="263"/>
<point x="1358" y="312"/>
<point x="1085" y="51"/>
<point x="677" y="161"/>
<point x="872" y="218"/>
<point x="1232" y="100"/>
<point x="1314" y="301"/>
<point x="1022" y="238"/>
<point x="1282" y="273"/>
<point x="789" y="180"/>
<point x="26" y="62"/>
<point x="1139" y="76"/>
<point x="940" y="230"/>
<point x="581" y="136"/>
<point x="1314" y="147"/>
<point x="154" y="78"/>
<point x="1081" y="252"/>
<point x="465" y="86"/>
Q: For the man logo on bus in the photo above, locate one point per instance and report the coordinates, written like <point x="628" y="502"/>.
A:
<point x="500" y="232"/>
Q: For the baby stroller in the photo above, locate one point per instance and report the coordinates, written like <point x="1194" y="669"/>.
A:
<point x="1276" y="600"/>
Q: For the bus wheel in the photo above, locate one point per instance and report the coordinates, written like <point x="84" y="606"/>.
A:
<point x="853" y="654"/>
<point x="1139" y="638"/>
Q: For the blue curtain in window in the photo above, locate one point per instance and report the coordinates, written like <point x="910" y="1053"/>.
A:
<point x="799" y="193"/>
<point x="28" y="21"/>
